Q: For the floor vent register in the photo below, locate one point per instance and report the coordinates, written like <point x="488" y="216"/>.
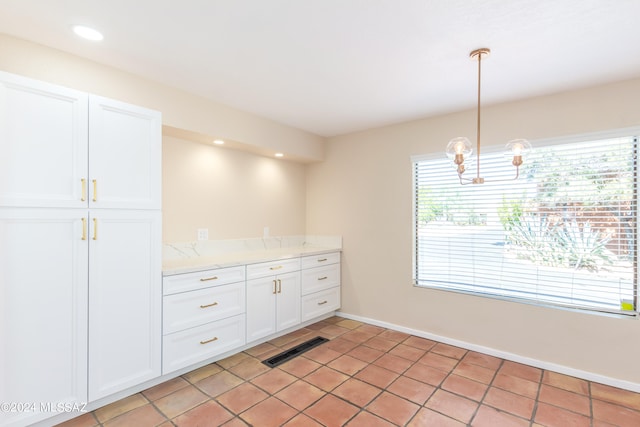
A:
<point x="285" y="356"/>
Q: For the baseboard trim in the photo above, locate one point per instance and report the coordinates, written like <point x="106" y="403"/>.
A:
<point x="589" y="376"/>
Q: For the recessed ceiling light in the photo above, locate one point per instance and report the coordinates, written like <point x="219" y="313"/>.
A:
<point x="88" y="33"/>
<point x="218" y="142"/>
<point x="279" y="155"/>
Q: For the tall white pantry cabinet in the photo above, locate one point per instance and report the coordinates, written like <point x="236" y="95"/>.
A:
<point x="80" y="246"/>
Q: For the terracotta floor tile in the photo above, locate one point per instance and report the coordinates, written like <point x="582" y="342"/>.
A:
<point x="521" y="371"/>
<point x="300" y="395"/>
<point x="273" y="380"/>
<point x="218" y="383"/>
<point x="426" y="374"/>
<point x="299" y="366"/>
<point x="475" y="372"/>
<point x="249" y="368"/>
<point x="326" y="378"/>
<point x="331" y="411"/>
<point x="357" y="392"/>
<point x="615" y="395"/>
<point x="377" y="376"/>
<point x="180" y="401"/>
<point x="366" y="419"/>
<point x="449" y="351"/>
<point x="553" y="416"/>
<point x="393" y="363"/>
<point x="516" y="385"/>
<point x="566" y="382"/>
<point x="318" y="325"/>
<point x="407" y="352"/>
<point x="357" y="336"/>
<point x="233" y="360"/>
<point x="615" y="414"/>
<point x="421" y="343"/>
<point x="207" y="414"/>
<point x="145" y="415"/>
<point x="365" y="353"/>
<point x="483" y="360"/>
<point x="396" y="336"/>
<point x="120" y="407"/>
<point x="261" y="349"/>
<point x="452" y="405"/>
<point x="269" y="413"/>
<point x="285" y="341"/>
<point x="202" y="373"/>
<point x="375" y="330"/>
<point x="427" y="418"/>
<point x="393" y="408"/>
<point x="435" y="360"/>
<point x="341" y="345"/>
<point x="322" y="354"/>
<point x="168" y="387"/>
<point x="411" y="389"/>
<point x="380" y="343"/>
<point x="349" y="324"/>
<point x="302" y="420"/>
<point x="565" y="399"/>
<point x="491" y="417"/>
<point x="509" y="402"/>
<point x="333" y="331"/>
<point x="84" y="420"/>
<point x="347" y="365"/>
<point x="241" y="398"/>
<point x="465" y="387"/>
<point x="334" y="319"/>
<point x="236" y="422"/>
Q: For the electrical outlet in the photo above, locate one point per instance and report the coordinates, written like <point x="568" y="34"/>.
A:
<point x="203" y="234"/>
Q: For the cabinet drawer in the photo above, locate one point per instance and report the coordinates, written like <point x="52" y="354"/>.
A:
<point x="202" y="279"/>
<point x="197" y="344"/>
<point x="319" y="303"/>
<point x="194" y="308"/>
<point x="322" y="259"/>
<point x="320" y="278"/>
<point x="272" y="268"/>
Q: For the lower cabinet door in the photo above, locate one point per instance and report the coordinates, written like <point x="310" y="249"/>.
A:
<point x="320" y="303"/>
<point x="125" y="299"/>
<point x="194" y="345"/>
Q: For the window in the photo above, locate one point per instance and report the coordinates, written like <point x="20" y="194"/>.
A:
<point x="564" y="233"/>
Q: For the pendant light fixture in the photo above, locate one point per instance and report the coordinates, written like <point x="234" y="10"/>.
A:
<point x="459" y="149"/>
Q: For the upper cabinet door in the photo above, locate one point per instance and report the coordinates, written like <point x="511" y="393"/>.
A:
<point x="125" y="151"/>
<point x="43" y="144"/>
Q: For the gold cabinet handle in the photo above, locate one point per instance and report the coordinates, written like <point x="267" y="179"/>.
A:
<point x="84" y="228"/>
<point x="95" y="229"/>
<point x="277" y="267"/>
<point x="83" y="196"/>
<point x="279" y="286"/>
<point x="322" y="303"/>
<point x="323" y="278"/>
<point x="206" y="279"/>
<point x="208" y="341"/>
<point x="274" y="286"/>
<point x="209" y="305"/>
<point x="95" y="189"/>
<point x="322" y="260"/>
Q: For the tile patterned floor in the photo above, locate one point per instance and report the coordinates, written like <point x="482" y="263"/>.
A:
<point x="369" y="376"/>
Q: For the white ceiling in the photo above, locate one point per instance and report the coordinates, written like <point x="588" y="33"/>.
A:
<point x="337" y="66"/>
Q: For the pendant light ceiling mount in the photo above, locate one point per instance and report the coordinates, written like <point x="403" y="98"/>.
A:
<point x="460" y="148"/>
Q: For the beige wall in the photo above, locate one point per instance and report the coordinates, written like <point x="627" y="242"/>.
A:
<point x="232" y="193"/>
<point x="363" y="191"/>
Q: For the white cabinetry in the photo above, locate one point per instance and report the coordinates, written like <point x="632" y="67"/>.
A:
<point x="80" y="270"/>
<point x="273" y="297"/>
<point x="320" y="284"/>
<point x="203" y="316"/>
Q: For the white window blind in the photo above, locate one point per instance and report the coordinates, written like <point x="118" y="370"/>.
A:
<point x="564" y="233"/>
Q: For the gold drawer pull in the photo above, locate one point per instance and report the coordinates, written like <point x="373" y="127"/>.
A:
<point x="208" y="341"/>
<point x="279" y="286"/>
<point x="95" y="229"/>
<point x="209" y="278"/>
<point x="84" y="228"/>
<point x="83" y="197"/>
<point x="209" y="305"/>
<point x="322" y="260"/>
<point x="323" y="278"/>
<point x="323" y="302"/>
<point x="95" y="190"/>
<point x="277" y="267"/>
<point x="275" y="283"/>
